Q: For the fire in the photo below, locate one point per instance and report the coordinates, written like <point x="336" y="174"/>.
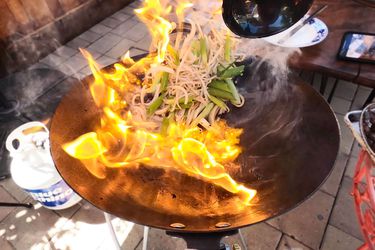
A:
<point x="123" y="141"/>
<point x="152" y="14"/>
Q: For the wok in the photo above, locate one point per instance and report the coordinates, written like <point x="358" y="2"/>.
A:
<point x="290" y="142"/>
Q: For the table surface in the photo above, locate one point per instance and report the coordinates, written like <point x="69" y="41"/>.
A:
<point x="340" y="16"/>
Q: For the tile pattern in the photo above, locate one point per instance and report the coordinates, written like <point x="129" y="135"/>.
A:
<point x="288" y="243"/>
<point x="331" y="185"/>
<point x="337" y="239"/>
<point x="307" y="222"/>
<point x="5" y="196"/>
<point x="343" y="215"/>
<point x="325" y="221"/>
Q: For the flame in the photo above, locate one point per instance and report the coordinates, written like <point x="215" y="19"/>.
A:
<point x="153" y="15"/>
<point x="123" y="141"/>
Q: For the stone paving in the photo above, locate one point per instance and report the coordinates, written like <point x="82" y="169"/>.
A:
<point x="325" y="221"/>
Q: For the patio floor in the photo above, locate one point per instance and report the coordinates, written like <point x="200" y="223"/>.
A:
<point x="325" y="221"/>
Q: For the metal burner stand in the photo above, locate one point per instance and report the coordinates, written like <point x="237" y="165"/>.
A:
<point x="114" y="237"/>
<point x="12" y="204"/>
<point x="199" y="241"/>
<point x="207" y="241"/>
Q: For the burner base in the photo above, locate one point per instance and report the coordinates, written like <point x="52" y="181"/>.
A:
<point x="204" y="241"/>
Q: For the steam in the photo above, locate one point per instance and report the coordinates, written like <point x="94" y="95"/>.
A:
<point x="18" y="54"/>
<point x="276" y="106"/>
<point x="26" y="50"/>
<point x="27" y="55"/>
<point x="276" y="56"/>
<point x="269" y="72"/>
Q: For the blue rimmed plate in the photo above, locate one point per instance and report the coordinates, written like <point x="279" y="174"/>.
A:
<point x="314" y="32"/>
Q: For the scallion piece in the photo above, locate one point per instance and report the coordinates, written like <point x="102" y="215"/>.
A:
<point x="219" y="84"/>
<point x="206" y="111"/>
<point x="233" y="90"/>
<point x="174" y="54"/>
<point x="203" y="51"/>
<point x="227" y="48"/>
<point x="186" y="106"/>
<point x="195" y="47"/>
<point x="182" y="100"/>
<point x="232" y="72"/>
<point x="164" y="81"/>
<point x="217" y="101"/>
<point x="164" y="126"/>
<point x="155" y="105"/>
<point x="221" y="94"/>
<point x="220" y="68"/>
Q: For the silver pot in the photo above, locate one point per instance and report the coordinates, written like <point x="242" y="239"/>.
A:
<point x="355" y="120"/>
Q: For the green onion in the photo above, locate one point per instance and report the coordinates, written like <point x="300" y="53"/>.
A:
<point x="233" y="90"/>
<point x="221" y="94"/>
<point x="232" y="72"/>
<point x="206" y="111"/>
<point x="195" y="47"/>
<point x="164" y="81"/>
<point x="217" y="101"/>
<point x="203" y="52"/>
<point x="174" y="54"/>
<point x="155" y="105"/>
<point x="220" y="68"/>
<point x="185" y="106"/>
<point x="227" y="48"/>
<point x="219" y="84"/>
<point x="182" y="100"/>
<point x="156" y="80"/>
<point x="164" y="126"/>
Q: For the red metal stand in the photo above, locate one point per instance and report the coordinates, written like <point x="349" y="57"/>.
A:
<point x="364" y="198"/>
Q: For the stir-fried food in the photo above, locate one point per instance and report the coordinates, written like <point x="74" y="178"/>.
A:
<point x="162" y="110"/>
<point x="194" y="82"/>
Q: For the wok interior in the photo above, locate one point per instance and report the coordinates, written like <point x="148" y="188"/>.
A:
<point x="290" y="142"/>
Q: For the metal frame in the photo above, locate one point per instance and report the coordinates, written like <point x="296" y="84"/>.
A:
<point x="185" y="236"/>
<point x="114" y="237"/>
<point x="207" y="241"/>
<point x="323" y="86"/>
<point x="242" y="239"/>
<point x="12" y="204"/>
<point x="364" y="198"/>
<point x="369" y="98"/>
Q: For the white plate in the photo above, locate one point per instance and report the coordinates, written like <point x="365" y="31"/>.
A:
<point x="312" y="33"/>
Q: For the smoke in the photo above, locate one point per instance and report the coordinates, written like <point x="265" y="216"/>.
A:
<point x="269" y="72"/>
<point x="37" y="72"/>
<point x="276" y="56"/>
<point x="27" y="49"/>
<point x="273" y="101"/>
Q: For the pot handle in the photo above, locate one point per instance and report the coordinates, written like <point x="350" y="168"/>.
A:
<point x="18" y="134"/>
<point x="352" y="119"/>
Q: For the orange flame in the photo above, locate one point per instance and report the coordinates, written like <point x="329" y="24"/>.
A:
<point x="153" y="15"/>
<point x="123" y="141"/>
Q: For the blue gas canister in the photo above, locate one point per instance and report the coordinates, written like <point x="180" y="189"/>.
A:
<point x="33" y="170"/>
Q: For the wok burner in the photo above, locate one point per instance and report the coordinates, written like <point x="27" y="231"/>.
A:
<point x="290" y="143"/>
<point x="204" y="241"/>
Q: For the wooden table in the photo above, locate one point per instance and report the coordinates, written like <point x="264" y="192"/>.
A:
<point x="340" y="16"/>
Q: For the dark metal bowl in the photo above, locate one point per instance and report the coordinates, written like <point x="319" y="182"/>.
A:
<point x="260" y="18"/>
